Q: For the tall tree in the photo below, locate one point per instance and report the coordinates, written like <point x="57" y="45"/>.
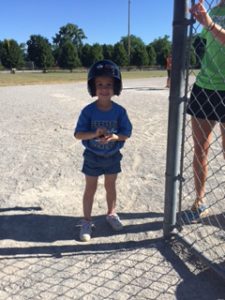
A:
<point x="107" y="51"/>
<point x="140" y="56"/>
<point x="90" y="54"/>
<point x="120" y="55"/>
<point x="162" y="48"/>
<point x="136" y="44"/>
<point x="1" y="51"/>
<point x="95" y="53"/>
<point x="68" y="58"/>
<point x="24" y="50"/>
<point x="86" y="60"/>
<point x="69" y="33"/>
<point x="151" y="55"/>
<point x="40" y="52"/>
<point x="1" y="48"/>
<point x="11" y="54"/>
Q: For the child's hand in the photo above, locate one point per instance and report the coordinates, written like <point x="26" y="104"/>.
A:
<point x="100" y="132"/>
<point x="112" y="137"/>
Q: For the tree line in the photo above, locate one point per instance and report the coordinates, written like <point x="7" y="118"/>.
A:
<point x="68" y="51"/>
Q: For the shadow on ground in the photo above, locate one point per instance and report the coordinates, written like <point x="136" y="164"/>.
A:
<point x="28" y="226"/>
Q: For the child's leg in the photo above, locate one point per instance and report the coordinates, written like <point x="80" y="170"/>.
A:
<point x="88" y="198"/>
<point x="110" y="187"/>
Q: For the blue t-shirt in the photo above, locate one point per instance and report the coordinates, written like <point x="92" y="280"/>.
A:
<point x="114" y="120"/>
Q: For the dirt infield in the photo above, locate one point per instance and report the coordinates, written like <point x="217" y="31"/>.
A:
<point x="41" y="190"/>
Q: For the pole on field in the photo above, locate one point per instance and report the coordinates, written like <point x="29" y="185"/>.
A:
<point x="176" y="108"/>
<point x="128" y="39"/>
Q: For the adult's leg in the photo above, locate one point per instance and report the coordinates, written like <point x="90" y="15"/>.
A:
<point x="88" y="198"/>
<point x="168" y="79"/>
<point x="222" y="129"/>
<point x="110" y="187"/>
<point x="202" y="135"/>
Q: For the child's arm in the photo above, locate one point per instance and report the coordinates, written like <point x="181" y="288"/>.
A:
<point x="90" y="135"/>
<point x="85" y="135"/>
<point x="115" y="138"/>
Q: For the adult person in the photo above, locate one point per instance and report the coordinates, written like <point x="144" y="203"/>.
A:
<point x="207" y="101"/>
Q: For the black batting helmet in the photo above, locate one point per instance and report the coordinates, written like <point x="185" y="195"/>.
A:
<point x="104" y="68"/>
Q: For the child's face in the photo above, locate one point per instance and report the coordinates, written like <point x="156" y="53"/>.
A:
<point x="104" y="87"/>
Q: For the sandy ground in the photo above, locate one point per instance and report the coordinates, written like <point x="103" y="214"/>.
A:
<point x="41" y="190"/>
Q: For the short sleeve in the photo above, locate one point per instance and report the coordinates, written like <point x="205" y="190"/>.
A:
<point x="83" y="123"/>
<point x="125" y="127"/>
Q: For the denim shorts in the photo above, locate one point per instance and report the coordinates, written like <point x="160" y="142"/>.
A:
<point x="96" y="165"/>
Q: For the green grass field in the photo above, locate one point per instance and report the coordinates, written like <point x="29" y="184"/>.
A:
<point x="28" y="78"/>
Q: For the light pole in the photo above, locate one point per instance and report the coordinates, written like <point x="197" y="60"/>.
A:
<point x="128" y="46"/>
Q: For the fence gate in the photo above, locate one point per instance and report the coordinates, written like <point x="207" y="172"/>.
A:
<point x="204" y="236"/>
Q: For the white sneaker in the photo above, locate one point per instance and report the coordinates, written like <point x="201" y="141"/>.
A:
<point x="86" y="230"/>
<point x="114" y="222"/>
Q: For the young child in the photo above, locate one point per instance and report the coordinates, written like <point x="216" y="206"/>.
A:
<point x="103" y="126"/>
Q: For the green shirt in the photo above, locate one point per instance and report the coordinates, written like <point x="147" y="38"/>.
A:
<point x="212" y="73"/>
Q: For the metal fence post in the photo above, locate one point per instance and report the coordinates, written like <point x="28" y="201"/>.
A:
<point x="176" y="108"/>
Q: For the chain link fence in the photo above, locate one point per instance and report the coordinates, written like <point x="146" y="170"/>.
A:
<point x="73" y="273"/>
<point x="203" y="234"/>
<point x="40" y="255"/>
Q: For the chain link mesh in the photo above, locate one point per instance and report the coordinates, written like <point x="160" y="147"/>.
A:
<point x="206" y="233"/>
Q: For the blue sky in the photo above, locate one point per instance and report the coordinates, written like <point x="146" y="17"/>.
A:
<point x="103" y="21"/>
